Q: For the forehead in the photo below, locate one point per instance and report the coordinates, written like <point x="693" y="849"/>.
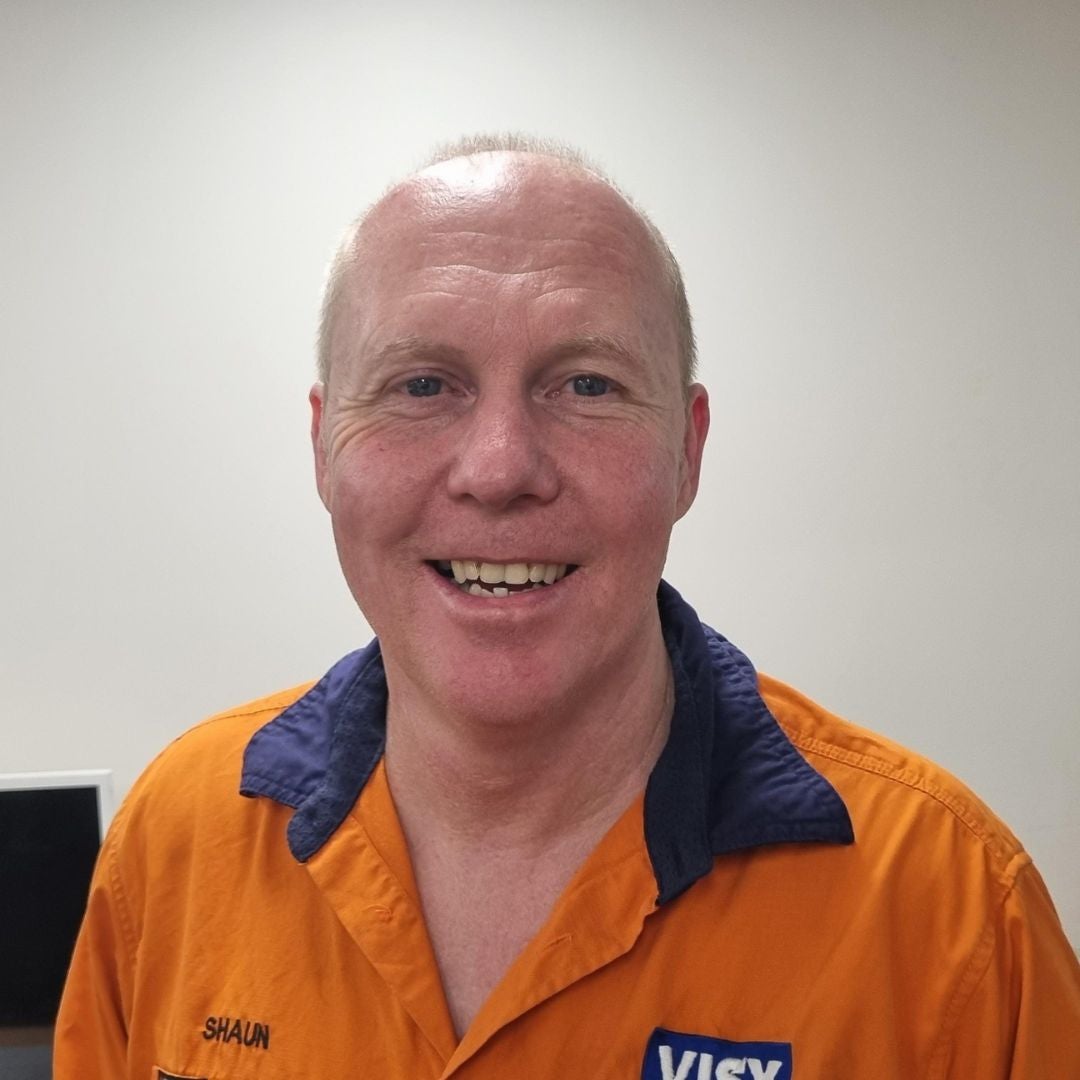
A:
<point x="507" y="229"/>
<point x="507" y="212"/>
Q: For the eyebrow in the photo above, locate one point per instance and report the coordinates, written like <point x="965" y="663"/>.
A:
<point x="417" y="348"/>
<point x="606" y="344"/>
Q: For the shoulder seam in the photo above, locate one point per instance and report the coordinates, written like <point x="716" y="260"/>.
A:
<point x="994" y="843"/>
<point x="269" y="707"/>
<point x="275" y="703"/>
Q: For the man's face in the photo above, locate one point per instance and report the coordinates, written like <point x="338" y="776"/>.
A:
<point x="505" y="391"/>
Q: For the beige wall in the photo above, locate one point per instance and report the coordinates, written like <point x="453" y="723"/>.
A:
<point x="878" y="208"/>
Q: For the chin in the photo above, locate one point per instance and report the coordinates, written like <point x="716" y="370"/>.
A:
<point x="518" y="685"/>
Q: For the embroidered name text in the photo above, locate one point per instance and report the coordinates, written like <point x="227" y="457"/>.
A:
<point x="226" y="1029"/>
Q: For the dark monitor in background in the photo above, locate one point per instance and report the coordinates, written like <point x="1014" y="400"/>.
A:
<point x="51" y="826"/>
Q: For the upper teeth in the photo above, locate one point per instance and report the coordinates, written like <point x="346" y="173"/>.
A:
<point x="516" y="573"/>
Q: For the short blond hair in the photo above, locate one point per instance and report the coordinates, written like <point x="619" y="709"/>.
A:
<point x="512" y="142"/>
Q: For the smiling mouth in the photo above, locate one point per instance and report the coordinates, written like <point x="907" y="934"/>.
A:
<point x="498" y="580"/>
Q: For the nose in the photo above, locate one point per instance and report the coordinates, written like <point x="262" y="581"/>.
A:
<point x="504" y="456"/>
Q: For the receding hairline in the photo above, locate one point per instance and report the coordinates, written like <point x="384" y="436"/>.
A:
<point x="563" y="154"/>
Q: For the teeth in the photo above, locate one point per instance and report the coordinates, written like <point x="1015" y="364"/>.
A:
<point x="518" y="573"/>
<point x="469" y="573"/>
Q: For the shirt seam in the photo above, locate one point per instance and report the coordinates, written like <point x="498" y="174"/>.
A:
<point x="960" y="811"/>
<point x="123" y="913"/>
<point x="270" y="711"/>
<point x="275" y="708"/>
<point x="974" y="972"/>
<point x="356" y="817"/>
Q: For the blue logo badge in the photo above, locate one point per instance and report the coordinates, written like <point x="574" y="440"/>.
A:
<point x="672" y="1055"/>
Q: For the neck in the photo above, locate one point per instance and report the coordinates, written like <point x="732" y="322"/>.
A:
<point x="529" y="785"/>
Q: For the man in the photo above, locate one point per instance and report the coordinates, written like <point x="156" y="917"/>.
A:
<point x="549" y="824"/>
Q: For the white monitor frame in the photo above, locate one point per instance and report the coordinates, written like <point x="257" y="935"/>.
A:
<point x="100" y="779"/>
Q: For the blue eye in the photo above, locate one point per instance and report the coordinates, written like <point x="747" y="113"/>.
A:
<point x="590" y="385"/>
<point x="424" y="386"/>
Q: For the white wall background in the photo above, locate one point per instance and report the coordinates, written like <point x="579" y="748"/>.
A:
<point x="877" y="205"/>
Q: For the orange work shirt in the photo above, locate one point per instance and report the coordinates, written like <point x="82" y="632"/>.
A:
<point x="791" y="898"/>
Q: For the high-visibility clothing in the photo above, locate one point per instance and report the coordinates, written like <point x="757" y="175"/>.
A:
<point x="791" y="897"/>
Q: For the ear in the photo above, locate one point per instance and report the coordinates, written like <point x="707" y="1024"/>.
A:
<point x="317" y="397"/>
<point x="696" y="428"/>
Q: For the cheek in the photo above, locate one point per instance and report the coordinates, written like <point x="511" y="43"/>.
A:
<point x="634" y="489"/>
<point x="378" y="497"/>
<point x="374" y="512"/>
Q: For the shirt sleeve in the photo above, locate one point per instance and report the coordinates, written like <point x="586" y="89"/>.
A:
<point x="92" y="1024"/>
<point x="1019" y="1014"/>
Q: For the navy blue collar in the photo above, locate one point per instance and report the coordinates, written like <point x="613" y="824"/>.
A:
<point x="728" y="778"/>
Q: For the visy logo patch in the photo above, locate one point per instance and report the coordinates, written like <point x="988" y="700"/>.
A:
<point x="671" y="1055"/>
